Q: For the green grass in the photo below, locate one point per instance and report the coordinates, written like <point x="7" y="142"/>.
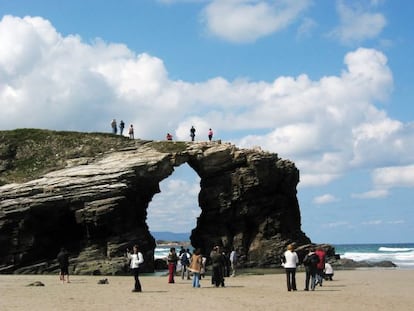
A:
<point x="27" y="154"/>
<point x="169" y="146"/>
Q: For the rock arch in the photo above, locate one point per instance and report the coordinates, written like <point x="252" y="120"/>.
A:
<point x="247" y="200"/>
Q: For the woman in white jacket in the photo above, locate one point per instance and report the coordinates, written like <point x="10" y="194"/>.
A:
<point x="136" y="259"/>
<point x="291" y="261"/>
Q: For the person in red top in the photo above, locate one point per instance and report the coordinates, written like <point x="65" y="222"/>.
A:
<point x="321" y="265"/>
<point x="169" y="136"/>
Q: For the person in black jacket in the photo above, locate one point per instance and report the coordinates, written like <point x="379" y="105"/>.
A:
<point x="218" y="262"/>
<point x="63" y="259"/>
<point x="192" y="133"/>
<point x="310" y="262"/>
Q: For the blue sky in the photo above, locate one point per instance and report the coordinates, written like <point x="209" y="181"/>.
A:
<point x="324" y="83"/>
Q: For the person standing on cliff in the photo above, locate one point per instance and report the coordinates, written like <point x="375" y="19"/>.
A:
<point x="121" y="127"/>
<point x="172" y="264"/>
<point x="131" y="132"/>
<point x="136" y="259"/>
<point x="291" y="261"/>
<point x="210" y="134"/>
<point x="192" y="133"/>
<point x="63" y="259"/>
<point x="113" y="125"/>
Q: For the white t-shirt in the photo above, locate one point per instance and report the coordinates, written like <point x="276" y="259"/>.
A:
<point x="136" y="260"/>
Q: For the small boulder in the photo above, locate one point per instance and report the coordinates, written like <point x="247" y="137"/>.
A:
<point x="103" y="281"/>
<point x="37" y="283"/>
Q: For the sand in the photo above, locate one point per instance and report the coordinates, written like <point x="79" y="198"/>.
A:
<point x="369" y="289"/>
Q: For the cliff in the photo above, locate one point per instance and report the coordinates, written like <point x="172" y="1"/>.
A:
<point x="90" y="192"/>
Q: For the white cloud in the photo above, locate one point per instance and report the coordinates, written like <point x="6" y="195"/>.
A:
<point x="396" y="176"/>
<point x="386" y="178"/>
<point x="176" y="208"/>
<point x="373" y="222"/>
<point x="337" y="224"/>
<point x="396" y="222"/>
<point x="306" y="27"/>
<point x="357" y="23"/>
<point x="373" y="194"/>
<point x="326" y="126"/>
<point x="248" y="20"/>
<point x="325" y="199"/>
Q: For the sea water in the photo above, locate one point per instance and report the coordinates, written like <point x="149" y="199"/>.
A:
<point x="400" y="254"/>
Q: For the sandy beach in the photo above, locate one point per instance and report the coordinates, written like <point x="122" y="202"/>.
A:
<point x="369" y="289"/>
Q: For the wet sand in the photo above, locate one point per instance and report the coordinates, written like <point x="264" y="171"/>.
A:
<point x="369" y="289"/>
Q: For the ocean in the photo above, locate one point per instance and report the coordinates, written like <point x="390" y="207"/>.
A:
<point x="400" y="254"/>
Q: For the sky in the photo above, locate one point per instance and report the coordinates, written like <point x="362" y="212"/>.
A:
<point x="327" y="84"/>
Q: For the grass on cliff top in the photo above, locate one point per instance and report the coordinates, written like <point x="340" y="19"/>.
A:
<point x="27" y="154"/>
<point x="169" y="146"/>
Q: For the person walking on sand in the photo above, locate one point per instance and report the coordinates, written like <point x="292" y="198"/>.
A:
<point x="195" y="267"/>
<point x="210" y="134"/>
<point x="291" y="261"/>
<point x="136" y="259"/>
<point x="192" y="133"/>
<point x="131" y="132"/>
<point x="172" y="264"/>
<point x="63" y="259"/>
<point x="185" y="259"/>
<point x="233" y="262"/>
<point x="217" y="261"/>
<point x="310" y="261"/>
<point x="321" y="265"/>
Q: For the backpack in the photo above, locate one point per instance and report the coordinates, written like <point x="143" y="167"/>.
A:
<point x="314" y="259"/>
<point x="311" y="260"/>
<point x="184" y="259"/>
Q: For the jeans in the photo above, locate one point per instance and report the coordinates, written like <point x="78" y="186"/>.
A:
<point x="319" y="276"/>
<point x="310" y="277"/>
<point x="196" y="279"/>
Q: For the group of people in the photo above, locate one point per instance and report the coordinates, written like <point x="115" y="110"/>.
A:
<point x="222" y="264"/>
<point x="193" y="130"/>
<point x="192" y="134"/>
<point x="190" y="263"/>
<point x="121" y="128"/>
<point x="169" y="136"/>
<point x="316" y="267"/>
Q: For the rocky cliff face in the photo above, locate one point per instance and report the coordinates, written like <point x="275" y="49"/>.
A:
<point x="97" y="207"/>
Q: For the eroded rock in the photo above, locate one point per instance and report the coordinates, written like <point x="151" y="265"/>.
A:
<point x="97" y="208"/>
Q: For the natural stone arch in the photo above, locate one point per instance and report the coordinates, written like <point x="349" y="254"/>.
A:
<point x="247" y="200"/>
